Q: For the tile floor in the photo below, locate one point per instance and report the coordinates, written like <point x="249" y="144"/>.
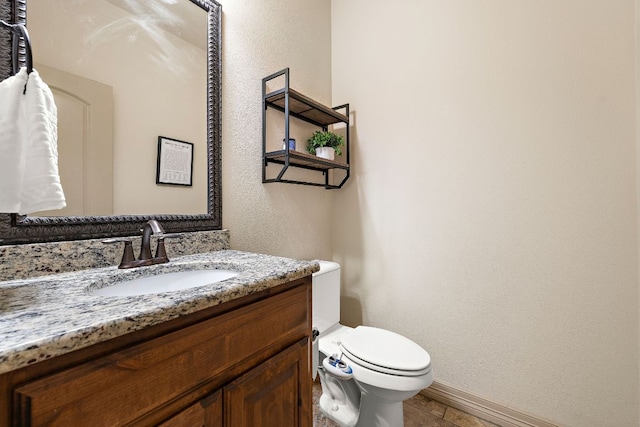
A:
<point x="419" y="411"/>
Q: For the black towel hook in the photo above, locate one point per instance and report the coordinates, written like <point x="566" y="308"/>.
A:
<point x="19" y="30"/>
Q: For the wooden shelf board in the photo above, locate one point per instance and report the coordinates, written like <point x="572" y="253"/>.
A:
<point x="306" y="107"/>
<point x="303" y="159"/>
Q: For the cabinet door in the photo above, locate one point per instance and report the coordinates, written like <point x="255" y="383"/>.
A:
<point x="206" y="413"/>
<point x="276" y="393"/>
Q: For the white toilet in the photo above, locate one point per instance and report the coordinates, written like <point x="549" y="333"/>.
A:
<point x="376" y="369"/>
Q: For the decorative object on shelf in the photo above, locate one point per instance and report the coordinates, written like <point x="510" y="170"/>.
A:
<point x="292" y="144"/>
<point x="326" y="153"/>
<point x="325" y="144"/>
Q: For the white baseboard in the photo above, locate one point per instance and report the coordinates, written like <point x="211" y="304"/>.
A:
<point x="481" y="408"/>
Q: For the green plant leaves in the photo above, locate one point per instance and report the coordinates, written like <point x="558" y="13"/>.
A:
<point x="325" y="139"/>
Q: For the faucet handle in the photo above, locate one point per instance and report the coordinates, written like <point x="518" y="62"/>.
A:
<point x="161" y="252"/>
<point x="170" y="236"/>
<point x="116" y="240"/>
<point x="127" y="255"/>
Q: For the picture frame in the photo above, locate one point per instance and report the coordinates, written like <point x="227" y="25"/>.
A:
<point x="175" y="162"/>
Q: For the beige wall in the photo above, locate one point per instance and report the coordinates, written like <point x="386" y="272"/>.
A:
<point x="492" y="212"/>
<point x="637" y="58"/>
<point x="260" y="38"/>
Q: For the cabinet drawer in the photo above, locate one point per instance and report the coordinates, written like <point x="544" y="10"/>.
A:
<point x="185" y="364"/>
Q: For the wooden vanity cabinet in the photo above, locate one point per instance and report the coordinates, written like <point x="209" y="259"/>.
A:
<point x="249" y="366"/>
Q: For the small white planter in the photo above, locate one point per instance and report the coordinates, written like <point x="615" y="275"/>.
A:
<point x="326" y="153"/>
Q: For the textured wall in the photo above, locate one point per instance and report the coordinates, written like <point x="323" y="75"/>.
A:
<point x="492" y="216"/>
<point x="260" y="38"/>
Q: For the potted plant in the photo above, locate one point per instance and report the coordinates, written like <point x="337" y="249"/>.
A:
<point x="325" y="144"/>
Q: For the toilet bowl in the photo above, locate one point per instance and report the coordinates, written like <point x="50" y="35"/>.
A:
<point x="378" y="369"/>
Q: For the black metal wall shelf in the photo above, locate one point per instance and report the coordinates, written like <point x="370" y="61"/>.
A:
<point x="295" y="104"/>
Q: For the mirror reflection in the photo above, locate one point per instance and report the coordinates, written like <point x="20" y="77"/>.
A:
<point x="124" y="73"/>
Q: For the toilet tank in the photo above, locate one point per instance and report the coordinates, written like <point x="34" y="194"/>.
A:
<point x="326" y="296"/>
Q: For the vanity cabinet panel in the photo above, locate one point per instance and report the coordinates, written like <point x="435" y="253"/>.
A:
<point x="270" y="394"/>
<point x="175" y="375"/>
<point x="206" y="413"/>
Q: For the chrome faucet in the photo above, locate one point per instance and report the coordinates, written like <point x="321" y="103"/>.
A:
<point x="151" y="227"/>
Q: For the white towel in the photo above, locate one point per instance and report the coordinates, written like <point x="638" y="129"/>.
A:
<point x="12" y="147"/>
<point x="41" y="189"/>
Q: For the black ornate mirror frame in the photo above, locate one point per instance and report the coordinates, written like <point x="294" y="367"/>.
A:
<point x="15" y="229"/>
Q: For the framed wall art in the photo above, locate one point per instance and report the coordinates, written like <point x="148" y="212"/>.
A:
<point x="175" y="162"/>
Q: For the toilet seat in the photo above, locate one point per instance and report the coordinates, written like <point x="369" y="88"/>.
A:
<point x="385" y="352"/>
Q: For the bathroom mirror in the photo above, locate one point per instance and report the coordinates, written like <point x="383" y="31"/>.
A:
<point x="28" y="229"/>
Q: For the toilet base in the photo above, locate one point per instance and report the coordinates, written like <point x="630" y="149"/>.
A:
<point x="377" y="412"/>
<point x="343" y="415"/>
<point x="374" y="412"/>
<point x="340" y="400"/>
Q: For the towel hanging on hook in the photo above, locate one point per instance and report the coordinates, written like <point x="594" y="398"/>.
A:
<point x="19" y="31"/>
<point x="29" y="178"/>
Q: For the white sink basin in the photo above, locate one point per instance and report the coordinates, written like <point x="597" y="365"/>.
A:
<point x="166" y="282"/>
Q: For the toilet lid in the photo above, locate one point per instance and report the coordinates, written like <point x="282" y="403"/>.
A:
<point x="385" y="351"/>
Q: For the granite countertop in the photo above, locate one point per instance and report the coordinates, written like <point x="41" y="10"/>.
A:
<point x="47" y="316"/>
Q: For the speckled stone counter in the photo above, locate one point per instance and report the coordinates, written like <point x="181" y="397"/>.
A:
<point x="47" y="316"/>
<point x="38" y="259"/>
